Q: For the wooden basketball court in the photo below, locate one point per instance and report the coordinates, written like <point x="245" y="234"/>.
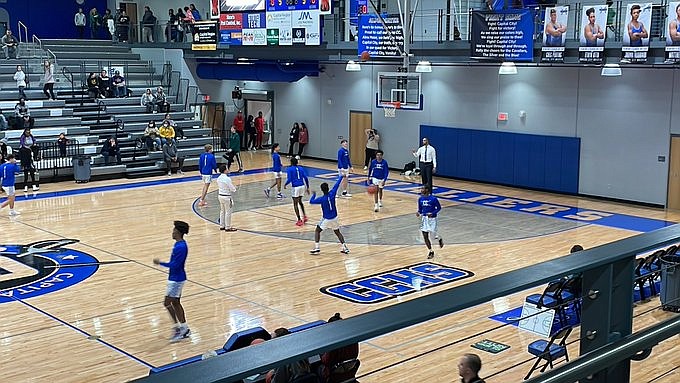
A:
<point x="112" y="326"/>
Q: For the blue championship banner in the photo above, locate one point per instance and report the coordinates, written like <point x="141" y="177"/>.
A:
<point x="502" y="35"/>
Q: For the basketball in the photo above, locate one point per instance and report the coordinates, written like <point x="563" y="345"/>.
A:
<point x="372" y="189"/>
<point x="365" y="56"/>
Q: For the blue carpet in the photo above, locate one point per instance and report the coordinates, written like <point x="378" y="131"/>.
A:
<point x="511" y="316"/>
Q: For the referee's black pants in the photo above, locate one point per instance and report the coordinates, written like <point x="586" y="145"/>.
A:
<point x="426" y="173"/>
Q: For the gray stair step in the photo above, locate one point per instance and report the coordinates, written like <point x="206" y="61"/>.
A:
<point x="99" y="56"/>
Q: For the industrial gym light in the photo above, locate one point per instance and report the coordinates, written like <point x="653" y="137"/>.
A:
<point x="611" y="70"/>
<point x="424" y="67"/>
<point x="507" y="67"/>
<point x="352" y="66"/>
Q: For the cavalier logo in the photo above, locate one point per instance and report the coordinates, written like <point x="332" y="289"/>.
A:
<point x="395" y="283"/>
<point x="39" y="268"/>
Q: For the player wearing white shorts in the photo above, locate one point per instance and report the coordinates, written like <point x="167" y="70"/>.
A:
<point x="428" y="208"/>
<point x="297" y="177"/>
<point x="377" y="175"/>
<point x="8" y="172"/>
<point x="344" y="166"/>
<point x="330" y="216"/>
<point x="176" y="279"/>
<point x="277" y="168"/>
<point x="207" y="165"/>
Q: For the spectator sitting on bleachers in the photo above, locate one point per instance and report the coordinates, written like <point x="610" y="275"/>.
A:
<point x="170" y="157"/>
<point x="111" y="149"/>
<point x="119" y="89"/>
<point x="4" y="125"/>
<point x="147" y="100"/>
<point x="160" y="99"/>
<point x="104" y="84"/>
<point x="10" y="45"/>
<point x="333" y="358"/>
<point x="5" y="150"/>
<point x="22" y="116"/>
<point x="288" y="372"/>
<point x="179" y="132"/>
<point x="151" y="137"/>
<point x="93" y="86"/>
<point x="166" y="132"/>
<point x="22" y="81"/>
<point x="61" y="142"/>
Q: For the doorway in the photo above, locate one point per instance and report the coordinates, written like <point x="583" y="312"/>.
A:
<point x="253" y="107"/>
<point x="358" y="123"/>
<point x="131" y="10"/>
<point x="673" y="197"/>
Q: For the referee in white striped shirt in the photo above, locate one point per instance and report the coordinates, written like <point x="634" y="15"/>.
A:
<point x="427" y="158"/>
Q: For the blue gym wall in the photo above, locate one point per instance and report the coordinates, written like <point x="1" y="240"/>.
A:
<point x="624" y="124"/>
<point x="51" y="19"/>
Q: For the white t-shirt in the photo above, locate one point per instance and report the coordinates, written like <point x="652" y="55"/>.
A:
<point x="225" y="185"/>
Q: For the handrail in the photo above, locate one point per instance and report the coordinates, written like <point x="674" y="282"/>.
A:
<point x="25" y="29"/>
<point x="245" y="362"/>
<point x="599" y="359"/>
<point x="66" y="72"/>
<point x="35" y="38"/>
<point x="54" y="57"/>
<point x="101" y="107"/>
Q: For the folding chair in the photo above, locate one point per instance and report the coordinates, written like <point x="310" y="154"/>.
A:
<point x="344" y="371"/>
<point x="643" y="276"/>
<point x="549" y="351"/>
<point x="552" y="299"/>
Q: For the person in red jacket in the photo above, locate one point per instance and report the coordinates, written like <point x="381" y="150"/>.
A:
<point x="259" y="128"/>
<point x="303" y="138"/>
<point x="239" y="123"/>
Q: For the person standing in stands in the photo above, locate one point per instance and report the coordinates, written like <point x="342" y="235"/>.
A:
<point x="195" y="12"/>
<point x="8" y="172"/>
<point x="428" y="208"/>
<point x="344" y="167"/>
<point x="468" y="368"/>
<point x="297" y="177"/>
<point x="224" y="196"/>
<point x="427" y="158"/>
<point x="259" y="130"/>
<point x="176" y="279"/>
<point x="62" y="141"/>
<point x="20" y="78"/>
<point x="251" y="132"/>
<point x="207" y="165"/>
<point x="28" y="150"/>
<point x="123" y="30"/>
<point x="95" y="23"/>
<point x="79" y="21"/>
<point x="303" y="139"/>
<point x="48" y="80"/>
<point x="149" y="23"/>
<point x="239" y="125"/>
<point x="107" y="22"/>
<point x="277" y="168"/>
<point x="330" y="216"/>
<point x="293" y="137"/>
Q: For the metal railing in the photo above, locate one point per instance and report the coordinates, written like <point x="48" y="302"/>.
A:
<point x="101" y="107"/>
<point x="22" y="27"/>
<point x="55" y="157"/>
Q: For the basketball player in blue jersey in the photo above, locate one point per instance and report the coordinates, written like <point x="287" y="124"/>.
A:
<point x="344" y="166"/>
<point x="207" y="165"/>
<point x="554" y="31"/>
<point x="297" y="177"/>
<point x="277" y="168"/>
<point x="592" y="32"/>
<point x="674" y="27"/>
<point x="377" y="175"/>
<point x="428" y="208"/>
<point x="636" y="30"/>
<point x="176" y="279"/>
<point x="330" y="216"/>
<point x="8" y="172"/>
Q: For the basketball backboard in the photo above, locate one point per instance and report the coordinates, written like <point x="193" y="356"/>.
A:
<point x="399" y="87"/>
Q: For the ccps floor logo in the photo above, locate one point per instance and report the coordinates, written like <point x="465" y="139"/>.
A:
<point x="39" y="268"/>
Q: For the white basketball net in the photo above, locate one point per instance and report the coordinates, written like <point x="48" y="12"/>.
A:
<point x="390" y="111"/>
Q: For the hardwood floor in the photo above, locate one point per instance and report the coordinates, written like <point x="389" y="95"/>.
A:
<point x="112" y="326"/>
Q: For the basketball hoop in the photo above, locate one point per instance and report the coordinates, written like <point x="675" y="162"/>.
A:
<point x="390" y="109"/>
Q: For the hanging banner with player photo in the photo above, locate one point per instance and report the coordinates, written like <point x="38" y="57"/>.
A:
<point x="593" y="21"/>
<point x="636" y="33"/>
<point x="673" y="32"/>
<point x="502" y="35"/>
<point x="554" y="34"/>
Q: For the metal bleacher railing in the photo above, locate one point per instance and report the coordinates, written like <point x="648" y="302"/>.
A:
<point x="607" y="282"/>
<point x="54" y="158"/>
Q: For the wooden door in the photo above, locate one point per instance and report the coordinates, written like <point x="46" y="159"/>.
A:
<point x="358" y="123"/>
<point x="673" y="197"/>
<point x="131" y="10"/>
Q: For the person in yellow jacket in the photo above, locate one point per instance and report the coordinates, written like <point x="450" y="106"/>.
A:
<point x="167" y="132"/>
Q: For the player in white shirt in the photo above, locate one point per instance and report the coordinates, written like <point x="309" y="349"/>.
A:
<point x="225" y="196"/>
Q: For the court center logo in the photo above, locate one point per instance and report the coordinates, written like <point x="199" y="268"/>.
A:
<point x="39" y="268"/>
<point x="395" y="283"/>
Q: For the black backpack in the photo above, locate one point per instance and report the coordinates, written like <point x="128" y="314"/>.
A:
<point x="409" y="167"/>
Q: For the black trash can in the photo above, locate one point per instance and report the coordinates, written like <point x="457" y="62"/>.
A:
<point x="81" y="168"/>
<point x="670" y="282"/>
